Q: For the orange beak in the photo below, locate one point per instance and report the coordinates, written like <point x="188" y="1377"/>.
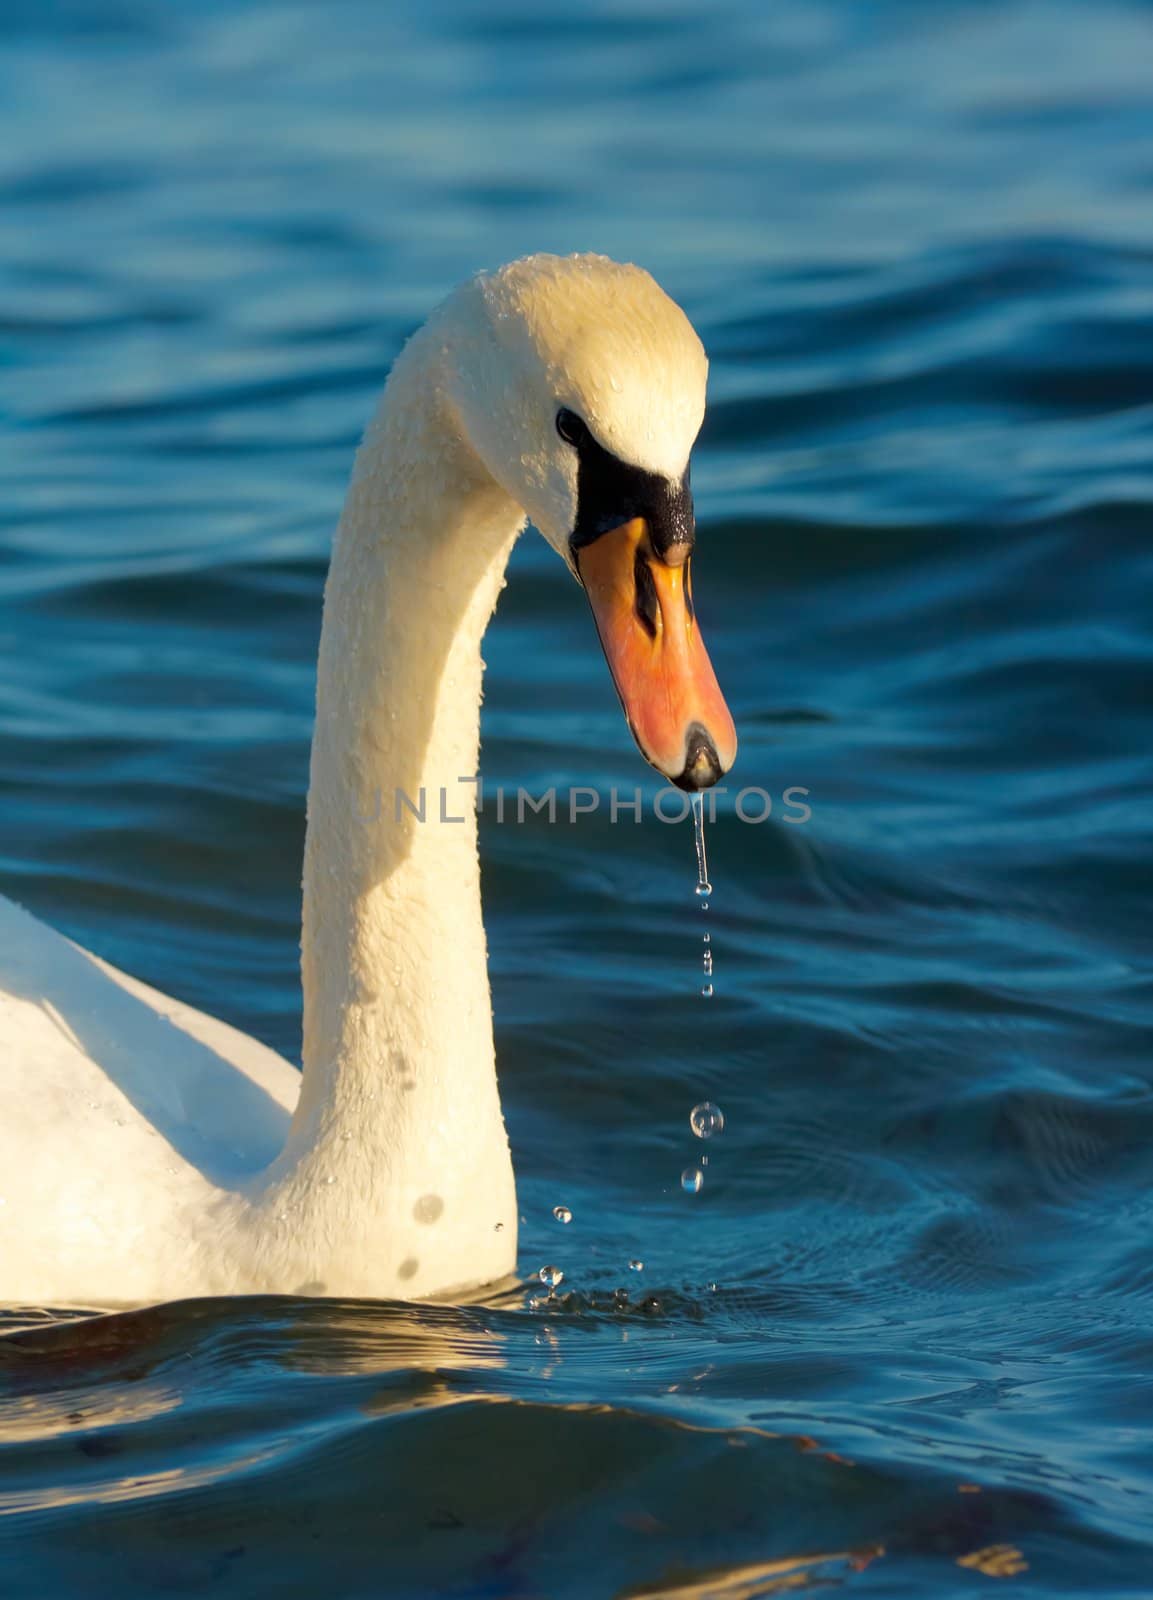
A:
<point x="644" y="614"/>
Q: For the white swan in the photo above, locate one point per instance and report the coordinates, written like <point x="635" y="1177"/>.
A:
<point x="148" y="1152"/>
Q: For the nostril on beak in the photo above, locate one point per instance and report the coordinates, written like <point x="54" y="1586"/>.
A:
<point x="702" y="764"/>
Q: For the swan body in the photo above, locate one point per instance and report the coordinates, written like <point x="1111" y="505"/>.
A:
<point x="149" y="1152"/>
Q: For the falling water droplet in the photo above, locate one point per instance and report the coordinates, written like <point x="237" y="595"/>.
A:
<point x="636" y="1266"/>
<point x="499" y="1228"/>
<point x="706" y="1119"/>
<point x="703" y="889"/>
<point x="698" y="803"/>
<point x="562" y="1213"/>
<point x="691" y="1180"/>
<point x="550" y="1276"/>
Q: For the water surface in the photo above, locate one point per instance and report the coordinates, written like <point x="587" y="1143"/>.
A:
<point x="901" y="1340"/>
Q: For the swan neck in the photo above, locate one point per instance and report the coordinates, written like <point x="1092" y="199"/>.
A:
<point x="397" y="1015"/>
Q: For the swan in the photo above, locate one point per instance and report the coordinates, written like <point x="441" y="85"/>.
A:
<point x="149" y="1152"/>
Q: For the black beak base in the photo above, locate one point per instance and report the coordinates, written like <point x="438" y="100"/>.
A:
<point x="702" y="764"/>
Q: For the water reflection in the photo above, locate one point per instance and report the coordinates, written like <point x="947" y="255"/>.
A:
<point x="358" y="1433"/>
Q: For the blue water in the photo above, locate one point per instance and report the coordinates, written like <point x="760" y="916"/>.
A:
<point x="901" y="1341"/>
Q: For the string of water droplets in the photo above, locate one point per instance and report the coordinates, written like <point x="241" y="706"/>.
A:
<point x="553" y="1276"/>
<point x="705" y="1119"/>
<point x="704" y="889"/>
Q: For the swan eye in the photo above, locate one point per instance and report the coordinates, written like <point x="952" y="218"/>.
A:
<point x="570" y="427"/>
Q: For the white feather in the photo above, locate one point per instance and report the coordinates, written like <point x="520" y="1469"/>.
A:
<point x="148" y="1151"/>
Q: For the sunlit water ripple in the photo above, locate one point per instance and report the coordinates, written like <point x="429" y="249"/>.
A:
<point x="901" y="1340"/>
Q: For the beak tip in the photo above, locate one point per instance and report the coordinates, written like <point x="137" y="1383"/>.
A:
<point x="702" y="766"/>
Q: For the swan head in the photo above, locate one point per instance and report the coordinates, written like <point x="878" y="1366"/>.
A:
<point x="581" y="386"/>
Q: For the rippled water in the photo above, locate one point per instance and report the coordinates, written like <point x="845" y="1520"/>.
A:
<point x="901" y="1340"/>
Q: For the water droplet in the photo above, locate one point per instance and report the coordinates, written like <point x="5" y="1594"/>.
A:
<point x="707" y="991"/>
<point x="706" y="938"/>
<point x="706" y="1119"/>
<point x="704" y="905"/>
<point x="550" y="1276"/>
<point x="636" y="1266"/>
<point x="698" y="804"/>
<point x="499" y="1228"/>
<point x="691" y="1180"/>
<point x="562" y="1213"/>
<point x="328" y="1182"/>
